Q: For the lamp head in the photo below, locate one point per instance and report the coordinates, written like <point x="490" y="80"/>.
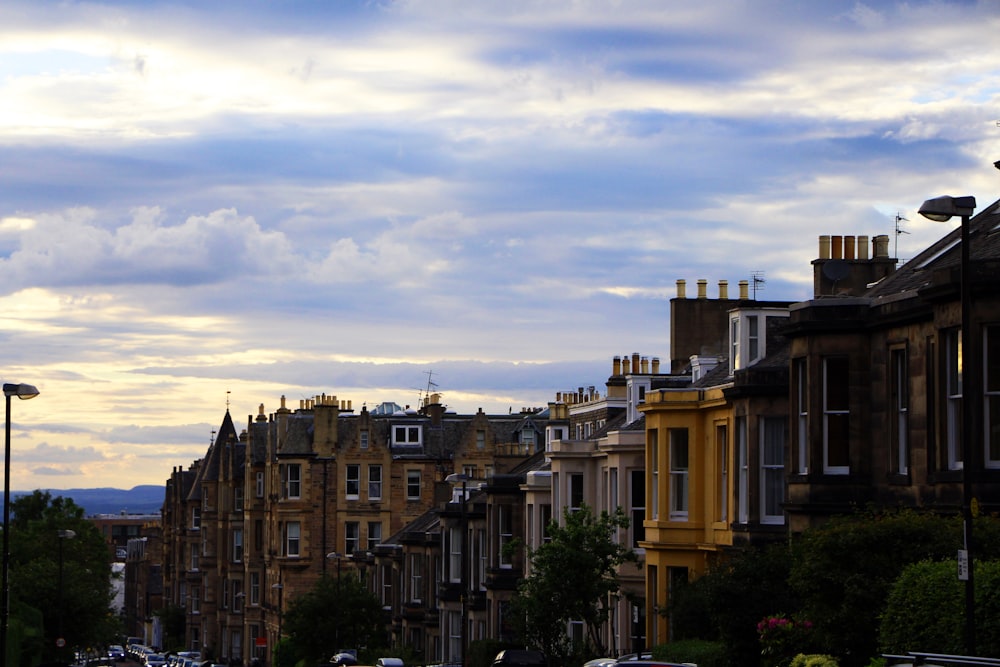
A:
<point x="22" y="391"/>
<point x="457" y="477"/>
<point x="942" y="209"/>
<point x="66" y="534"/>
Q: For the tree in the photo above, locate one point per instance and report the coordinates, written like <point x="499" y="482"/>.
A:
<point x="79" y="610"/>
<point x="573" y="578"/>
<point x="338" y="612"/>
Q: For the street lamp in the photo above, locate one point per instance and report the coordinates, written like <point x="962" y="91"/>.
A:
<point x="24" y="392"/>
<point x="63" y="535"/>
<point x="278" y="587"/>
<point x="336" y="555"/>
<point x="942" y="209"/>
<point x="464" y="479"/>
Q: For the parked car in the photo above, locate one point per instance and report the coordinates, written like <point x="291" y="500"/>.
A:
<point x="517" y="657"/>
<point x="600" y="662"/>
<point x="155" y="660"/>
<point x="116" y="652"/>
<point x="389" y="662"/>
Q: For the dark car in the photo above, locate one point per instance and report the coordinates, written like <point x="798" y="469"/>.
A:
<point x="517" y="657"/>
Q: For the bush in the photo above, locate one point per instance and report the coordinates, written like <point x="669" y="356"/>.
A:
<point x="815" y="660"/>
<point x="700" y="652"/>
<point x="925" y="609"/>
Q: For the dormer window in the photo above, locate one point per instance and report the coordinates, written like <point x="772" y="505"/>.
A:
<point x="747" y="336"/>
<point x="406" y="435"/>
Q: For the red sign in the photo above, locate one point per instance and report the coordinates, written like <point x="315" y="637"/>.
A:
<point x="260" y="641"/>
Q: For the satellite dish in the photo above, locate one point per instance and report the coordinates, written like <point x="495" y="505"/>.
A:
<point x="836" y="269"/>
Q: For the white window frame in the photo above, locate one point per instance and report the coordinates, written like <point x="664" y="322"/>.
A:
<point x="575" y="491"/>
<point x="722" y="463"/>
<point x="455" y="554"/>
<point x="833" y="414"/>
<point x="195" y="518"/>
<point x="352" y="537"/>
<point x="505" y="535"/>
<point x="679" y="462"/>
<point x="260" y="485"/>
<point x="363" y="438"/>
<point x="416" y="578"/>
<point x="653" y="445"/>
<point x="254" y="588"/>
<point x="899" y="403"/>
<point x="637" y="506"/>
<point x="375" y="482"/>
<point x="743" y="462"/>
<point x="413" y="485"/>
<point x="352" y="481"/>
<point x="772" y="469"/>
<point x="293" y="481"/>
<point x="991" y="396"/>
<point x="802" y="415"/>
<point x="374" y="534"/>
<point x="293" y="538"/>
<point x="408" y="435"/>
<point x="238" y="498"/>
<point x="237" y="545"/>
<point x="953" y="396"/>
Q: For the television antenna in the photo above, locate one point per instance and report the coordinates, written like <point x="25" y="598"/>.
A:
<point x="899" y="230"/>
<point x="758" y="282"/>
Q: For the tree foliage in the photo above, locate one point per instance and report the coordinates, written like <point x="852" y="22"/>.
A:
<point x="572" y="578"/>
<point x="81" y="607"/>
<point x="339" y="612"/>
<point x="925" y="610"/>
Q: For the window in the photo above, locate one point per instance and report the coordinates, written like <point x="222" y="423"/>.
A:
<point x="772" y="469"/>
<point x="678" y="473"/>
<point x="575" y="491"/>
<point x="505" y="528"/>
<point x="722" y="474"/>
<point x="836" y="416"/>
<point x="653" y="447"/>
<point x="413" y="485"/>
<point x="195" y="518"/>
<point x="406" y="435"/>
<point x="953" y="392"/>
<point x="753" y="338"/>
<point x="238" y="499"/>
<point x="454" y="637"/>
<point x="743" y="482"/>
<point x="363" y="438"/>
<point x="293" y="480"/>
<point x="292" y="536"/>
<point x="528" y="438"/>
<point x="545" y="517"/>
<point x="480" y="439"/>
<point x="258" y="535"/>
<point x="374" y="482"/>
<point x="899" y="404"/>
<point x="991" y="384"/>
<point x="235" y="645"/>
<point x="455" y="554"/>
<point x="374" y="534"/>
<point x="237" y="545"/>
<point x="352" y="536"/>
<point x="802" y="412"/>
<point x="260" y="485"/>
<point x="195" y="557"/>
<point x="735" y="362"/>
<point x="255" y="588"/>
<point x="195" y="600"/>
<point x="238" y="595"/>
<point x="613" y="500"/>
<point x="353" y="481"/>
<point x="416" y="577"/>
<point x="637" y="502"/>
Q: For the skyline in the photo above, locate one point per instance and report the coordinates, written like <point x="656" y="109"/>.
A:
<point x="206" y="207"/>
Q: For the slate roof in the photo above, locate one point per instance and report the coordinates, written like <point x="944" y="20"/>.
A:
<point x="984" y="244"/>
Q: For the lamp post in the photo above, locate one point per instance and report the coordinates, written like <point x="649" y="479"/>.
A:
<point x="24" y="392"/>
<point x="63" y="535"/>
<point x="942" y="209"/>
<point x="278" y="587"/>
<point x="337" y="556"/>
<point x="464" y="479"/>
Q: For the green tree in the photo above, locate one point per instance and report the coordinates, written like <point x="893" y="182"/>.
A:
<point x="925" y="610"/>
<point x="338" y="612"/>
<point x="573" y="578"/>
<point x="79" y="609"/>
<point x="844" y="570"/>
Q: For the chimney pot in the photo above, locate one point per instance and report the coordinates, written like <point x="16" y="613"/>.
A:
<point x="848" y="247"/>
<point x="824" y="246"/>
<point x="744" y="290"/>
<point x="681" y="289"/>
<point x="723" y="289"/>
<point x="702" y="289"/>
<point x="837" y="243"/>
<point x="862" y="247"/>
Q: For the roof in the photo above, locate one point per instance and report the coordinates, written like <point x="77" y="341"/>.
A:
<point x="918" y="273"/>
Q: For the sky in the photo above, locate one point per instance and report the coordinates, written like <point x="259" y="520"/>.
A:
<point x="209" y="205"/>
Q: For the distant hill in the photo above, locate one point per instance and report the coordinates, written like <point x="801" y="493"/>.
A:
<point x="145" y="499"/>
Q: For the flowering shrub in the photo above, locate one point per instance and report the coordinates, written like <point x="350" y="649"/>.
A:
<point x="782" y="638"/>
